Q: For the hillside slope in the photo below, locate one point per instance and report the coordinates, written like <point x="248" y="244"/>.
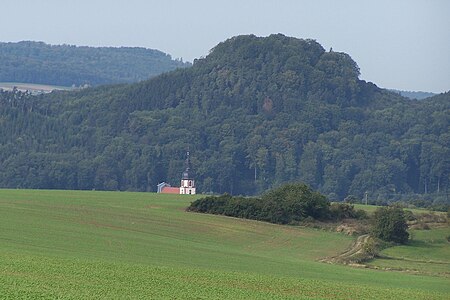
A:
<point x="110" y="245"/>
<point x="417" y="95"/>
<point x="67" y="65"/>
<point x="256" y="112"/>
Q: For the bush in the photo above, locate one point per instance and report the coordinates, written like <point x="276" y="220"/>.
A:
<point x="287" y="204"/>
<point x="389" y="225"/>
<point x="371" y="249"/>
<point x="211" y="204"/>
<point x="409" y="216"/>
<point x="361" y="214"/>
<point x="339" y="211"/>
<point x="296" y="201"/>
<point x="352" y="199"/>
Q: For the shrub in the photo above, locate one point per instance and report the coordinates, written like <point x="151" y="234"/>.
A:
<point x="296" y="201"/>
<point x="371" y="249"/>
<point x="287" y="204"/>
<point x="389" y="225"/>
<point x="339" y="211"/>
<point x="409" y="216"/>
<point x="361" y="214"/>
<point x="351" y="199"/>
<point x="211" y="204"/>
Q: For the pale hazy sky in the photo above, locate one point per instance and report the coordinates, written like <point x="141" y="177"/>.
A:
<point x="402" y="44"/>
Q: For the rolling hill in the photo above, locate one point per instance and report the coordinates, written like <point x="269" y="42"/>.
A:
<point x="68" y="65"/>
<point x="84" y="245"/>
<point x="417" y="95"/>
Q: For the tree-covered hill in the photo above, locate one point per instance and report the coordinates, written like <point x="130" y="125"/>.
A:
<point x="67" y="65"/>
<point x="255" y="113"/>
<point x="418" y="95"/>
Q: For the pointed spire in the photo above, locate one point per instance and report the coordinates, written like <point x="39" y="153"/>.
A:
<point x="187" y="165"/>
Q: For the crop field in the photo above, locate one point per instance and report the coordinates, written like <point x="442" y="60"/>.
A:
<point x="31" y="87"/>
<point x="121" y="245"/>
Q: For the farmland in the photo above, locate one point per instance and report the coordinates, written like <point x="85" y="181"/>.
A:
<point x="79" y="244"/>
<point x="427" y="252"/>
<point x="31" y="87"/>
<point x="417" y="211"/>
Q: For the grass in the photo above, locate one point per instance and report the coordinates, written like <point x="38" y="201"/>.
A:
<point x="32" y="86"/>
<point x="83" y="245"/>
<point x="427" y="252"/>
<point x="417" y="211"/>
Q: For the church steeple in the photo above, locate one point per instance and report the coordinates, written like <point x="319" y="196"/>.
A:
<point x="187" y="168"/>
<point x="187" y="180"/>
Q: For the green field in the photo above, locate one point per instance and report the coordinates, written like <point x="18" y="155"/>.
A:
<point x="120" y="245"/>
<point x="427" y="252"/>
<point x="417" y="211"/>
<point x="32" y="87"/>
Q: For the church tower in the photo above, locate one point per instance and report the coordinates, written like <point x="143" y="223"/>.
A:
<point x="187" y="181"/>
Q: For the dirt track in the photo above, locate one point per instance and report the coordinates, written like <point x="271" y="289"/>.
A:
<point x="351" y="254"/>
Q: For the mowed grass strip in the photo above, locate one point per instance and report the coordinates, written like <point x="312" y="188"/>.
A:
<point x="78" y="244"/>
<point x="417" y="211"/>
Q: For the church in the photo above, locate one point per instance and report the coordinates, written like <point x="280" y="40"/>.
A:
<point x="187" y="186"/>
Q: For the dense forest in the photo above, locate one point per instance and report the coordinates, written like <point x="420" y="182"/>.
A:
<point x="255" y="113"/>
<point x="67" y="65"/>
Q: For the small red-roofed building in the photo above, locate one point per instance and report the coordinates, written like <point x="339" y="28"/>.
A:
<point x="170" y="190"/>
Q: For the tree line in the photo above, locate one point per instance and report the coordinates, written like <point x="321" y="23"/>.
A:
<point x="289" y="204"/>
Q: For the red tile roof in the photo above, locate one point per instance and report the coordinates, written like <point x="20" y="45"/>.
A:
<point x="170" y="190"/>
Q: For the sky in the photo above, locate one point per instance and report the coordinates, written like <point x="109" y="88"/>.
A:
<point x="401" y="44"/>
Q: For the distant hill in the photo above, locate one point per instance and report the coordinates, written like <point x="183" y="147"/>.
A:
<point x="67" y="65"/>
<point x="111" y="245"/>
<point x="32" y="88"/>
<point x="414" y="95"/>
<point x="255" y="113"/>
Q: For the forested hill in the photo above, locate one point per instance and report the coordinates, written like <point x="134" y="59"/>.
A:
<point x="256" y="112"/>
<point x="66" y="65"/>
<point x="414" y="94"/>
